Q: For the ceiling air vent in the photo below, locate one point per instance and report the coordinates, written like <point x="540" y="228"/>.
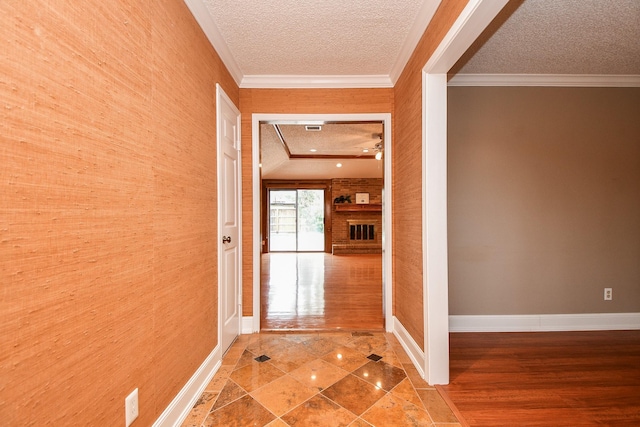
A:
<point x="313" y="128"/>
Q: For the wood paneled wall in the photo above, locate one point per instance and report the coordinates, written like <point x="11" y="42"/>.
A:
<point x="407" y="175"/>
<point x="291" y="101"/>
<point x="108" y="208"/>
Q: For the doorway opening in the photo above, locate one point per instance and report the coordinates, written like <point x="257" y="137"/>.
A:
<point x="279" y="227"/>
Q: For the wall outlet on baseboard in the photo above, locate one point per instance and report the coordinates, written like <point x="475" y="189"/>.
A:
<point x="608" y="294"/>
<point x="131" y="407"/>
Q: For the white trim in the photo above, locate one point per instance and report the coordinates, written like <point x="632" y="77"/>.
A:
<point x="434" y="237"/>
<point x="247" y="325"/>
<point x="200" y="12"/>
<point x="420" y="23"/>
<point x="387" y="252"/>
<point x="474" y="18"/>
<point x="545" y="322"/>
<point x="257" y="228"/>
<point x="409" y="345"/>
<point x="181" y="405"/>
<point x="316" y="81"/>
<point x="221" y="95"/>
<point x="561" y="80"/>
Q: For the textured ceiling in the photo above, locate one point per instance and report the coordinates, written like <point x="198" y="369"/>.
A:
<point x="559" y="37"/>
<point x="360" y="38"/>
<point x="335" y="139"/>
<point x="304" y="37"/>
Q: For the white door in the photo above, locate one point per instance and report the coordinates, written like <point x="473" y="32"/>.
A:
<point x="229" y="248"/>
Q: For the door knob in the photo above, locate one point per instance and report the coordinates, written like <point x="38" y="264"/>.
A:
<point x="226" y="239"/>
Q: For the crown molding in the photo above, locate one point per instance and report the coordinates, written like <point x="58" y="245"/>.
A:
<point x="317" y="81"/>
<point x="558" y="80"/>
<point x="420" y="23"/>
<point x="199" y="11"/>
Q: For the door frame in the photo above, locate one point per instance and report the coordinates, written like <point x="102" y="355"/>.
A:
<point x="387" y="292"/>
<point x="473" y="19"/>
<point x="221" y="96"/>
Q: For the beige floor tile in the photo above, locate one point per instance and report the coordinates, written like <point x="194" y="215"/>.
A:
<point x="229" y="393"/>
<point x="320" y="346"/>
<point x="405" y="391"/>
<point x="391" y="411"/>
<point x="346" y="358"/>
<point x="414" y="376"/>
<point x="318" y="412"/>
<point x="436" y="406"/>
<point x="354" y="394"/>
<point x="244" y="412"/>
<point x="381" y="374"/>
<point x="200" y="410"/>
<point x="359" y="422"/>
<point x="318" y="374"/>
<point x="291" y="357"/>
<point x="283" y="394"/>
<point x="219" y="380"/>
<point x="255" y="375"/>
<point x="277" y="423"/>
<point x="367" y="344"/>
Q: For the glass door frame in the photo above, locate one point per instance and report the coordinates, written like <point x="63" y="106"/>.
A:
<point x="268" y="185"/>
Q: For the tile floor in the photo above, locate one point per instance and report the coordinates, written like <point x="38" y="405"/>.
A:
<point x="358" y="379"/>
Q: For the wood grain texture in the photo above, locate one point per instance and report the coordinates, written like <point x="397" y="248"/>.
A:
<point x="291" y="101"/>
<point x="320" y="291"/>
<point x="107" y="214"/>
<point x="550" y="378"/>
<point x="407" y="175"/>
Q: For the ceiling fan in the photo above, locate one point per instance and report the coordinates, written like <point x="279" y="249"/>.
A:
<point x="377" y="148"/>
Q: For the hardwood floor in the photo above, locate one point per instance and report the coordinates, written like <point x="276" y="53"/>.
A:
<point x="319" y="291"/>
<point x="545" y="379"/>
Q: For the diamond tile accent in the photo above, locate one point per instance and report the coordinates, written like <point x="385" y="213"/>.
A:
<point x="319" y="379"/>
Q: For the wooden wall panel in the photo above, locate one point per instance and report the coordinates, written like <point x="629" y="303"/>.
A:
<point x="407" y="175"/>
<point x="291" y="101"/>
<point x="107" y="214"/>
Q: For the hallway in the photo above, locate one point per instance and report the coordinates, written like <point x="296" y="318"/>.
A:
<point x="358" y="379"/>
<point x="320" y="291"/>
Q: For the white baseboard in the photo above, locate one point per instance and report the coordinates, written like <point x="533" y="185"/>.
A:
<point x="247" y="325"/>
<point x="409" y="345"/>
<point x="545" y="322"/>
<point x="182" y="404"/>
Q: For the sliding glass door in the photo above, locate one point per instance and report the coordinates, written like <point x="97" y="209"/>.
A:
<point x="296" y="220"/>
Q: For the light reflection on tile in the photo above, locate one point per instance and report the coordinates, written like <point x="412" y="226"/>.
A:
<point x="318" y="374"/>
<point x="306" y="383"/>
<point x="381" y="374"/>
<point x="256" y="375"/>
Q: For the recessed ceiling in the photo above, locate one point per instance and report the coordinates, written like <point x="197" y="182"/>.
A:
<point x="286" y="150"/>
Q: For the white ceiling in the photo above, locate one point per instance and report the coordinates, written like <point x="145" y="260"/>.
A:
<point x="576" y="37"/>
<point x="366" y="43"/>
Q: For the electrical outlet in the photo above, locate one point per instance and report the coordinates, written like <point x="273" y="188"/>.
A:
<point x="131" y="407"/>
<point x="608" y="294"/>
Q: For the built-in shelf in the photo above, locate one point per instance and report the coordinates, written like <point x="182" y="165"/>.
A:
<point x="354" y="207"/>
